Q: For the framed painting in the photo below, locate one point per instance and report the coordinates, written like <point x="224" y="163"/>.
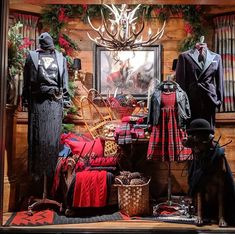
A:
<point x="127" y="71"/>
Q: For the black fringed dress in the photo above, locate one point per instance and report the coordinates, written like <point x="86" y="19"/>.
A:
<point x="45" y="90"/>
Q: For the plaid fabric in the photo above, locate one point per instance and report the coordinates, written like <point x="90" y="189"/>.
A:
<point x="165" y="142"/>
<point x="224" y="41"/>
<point x="202" y="49"/>
<point x="124" y="134"/>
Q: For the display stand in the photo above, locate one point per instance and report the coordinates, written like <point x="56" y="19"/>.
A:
<point x="169" y="201"/>
<point x="34" y="203"/>
<point x="141" y="111"/>
<point x="181" y="207"/>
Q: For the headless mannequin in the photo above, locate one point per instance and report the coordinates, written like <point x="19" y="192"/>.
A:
<point x="168" y="87"/>
<point x="199" y="73"/>
<point x="45" y="90"/>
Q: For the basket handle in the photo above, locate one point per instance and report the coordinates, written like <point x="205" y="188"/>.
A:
<point x="115" y="93"/>
<point x="149" y="180"/>
<point x="119" y="181"/>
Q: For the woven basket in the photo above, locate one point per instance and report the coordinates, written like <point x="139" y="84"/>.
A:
<point x="110" y="148"/>
<point x="133" y="200"/>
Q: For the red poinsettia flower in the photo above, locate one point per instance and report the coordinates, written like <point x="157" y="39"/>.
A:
<point x="65" y="45"/>
<point x="63" y="42"/>
<point x="188" y="28"/>
<point x="26" y="43"/>
<point x="84" y="6"/>
<point x="62" y="16"/>
<point x="158" y="11"/>
<point x="198" y="8"/>
<point x="180" y="14"/>
<point x="69" y="51"/>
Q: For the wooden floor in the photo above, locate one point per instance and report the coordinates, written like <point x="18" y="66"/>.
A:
<point x="124" y="226"/>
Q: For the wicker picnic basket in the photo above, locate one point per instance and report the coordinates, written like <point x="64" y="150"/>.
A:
<point x="133" y="200"/>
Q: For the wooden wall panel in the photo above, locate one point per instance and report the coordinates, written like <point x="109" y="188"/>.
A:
<point x="174" y="33"/>
<point x="26" y="7"/>
<point x="86" y="60"/>
<point x="168" y="57"/>
<point x="227" y="133"/>
<point x="159" y="174"/>
<point x="220" y="9"/>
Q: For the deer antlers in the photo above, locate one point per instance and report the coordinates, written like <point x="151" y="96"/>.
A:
<point x="121" y="32"/>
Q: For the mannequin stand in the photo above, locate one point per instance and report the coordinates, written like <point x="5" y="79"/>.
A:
<point x="35" y="202"/>
<point x="181" y="208"/>
<point x="142" y="111"/>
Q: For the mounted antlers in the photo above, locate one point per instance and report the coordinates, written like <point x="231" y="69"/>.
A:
<point x="121" y="33"/>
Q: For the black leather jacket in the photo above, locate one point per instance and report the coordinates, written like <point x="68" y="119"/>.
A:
<point x="184" y="112"/>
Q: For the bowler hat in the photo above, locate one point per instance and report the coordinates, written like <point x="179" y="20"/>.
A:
<point x="200" y="125"/>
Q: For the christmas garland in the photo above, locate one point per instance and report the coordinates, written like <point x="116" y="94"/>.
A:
<point x="194" y="16"/>
<point x="56" y="17"/>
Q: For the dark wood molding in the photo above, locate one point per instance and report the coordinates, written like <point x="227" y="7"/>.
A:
<point x="225" y="118"/>
<point x="165" y="2"/>
<point x="4" y="12"/>
<point x="41" y="3"/>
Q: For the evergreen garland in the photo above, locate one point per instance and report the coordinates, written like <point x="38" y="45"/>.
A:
<point x="194" y="16"/>
<point x="56" y="17"/>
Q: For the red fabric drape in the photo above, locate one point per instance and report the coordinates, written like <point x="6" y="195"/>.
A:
<point x="90" y="189"/>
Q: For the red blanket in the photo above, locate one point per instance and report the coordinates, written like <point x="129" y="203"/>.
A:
<point x="103" y="162"/>
<point x="90" y="189"/>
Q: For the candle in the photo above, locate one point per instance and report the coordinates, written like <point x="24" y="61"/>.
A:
<point x="148" y="97"/>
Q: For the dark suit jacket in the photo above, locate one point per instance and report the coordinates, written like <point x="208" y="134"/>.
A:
<point x="203" y="85"/>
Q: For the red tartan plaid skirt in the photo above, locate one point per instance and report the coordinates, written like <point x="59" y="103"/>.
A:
<point x="165" y="143"/>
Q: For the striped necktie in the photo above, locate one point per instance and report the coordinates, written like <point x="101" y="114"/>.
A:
<point x="202" y="56"/>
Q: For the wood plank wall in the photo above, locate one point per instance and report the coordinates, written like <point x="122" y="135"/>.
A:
<point x="174" y="33"/>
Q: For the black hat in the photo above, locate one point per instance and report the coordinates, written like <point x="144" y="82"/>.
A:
<point x="46" y="41"/>
<point x="200" y="125"/>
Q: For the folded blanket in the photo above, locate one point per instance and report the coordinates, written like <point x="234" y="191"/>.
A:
<point x="132" y="119"/>
<point x="123" y="134"/>
<point x="108" y="169"/>
<point x="90" y="189"/>
<point x="61" y="166"/>
<point x="103" y="161"/>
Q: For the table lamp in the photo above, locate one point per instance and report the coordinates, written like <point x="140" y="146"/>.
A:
<point x="76" y="66"/>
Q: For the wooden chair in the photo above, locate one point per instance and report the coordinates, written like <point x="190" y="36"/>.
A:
<point x="95" y="118"/>
<point x="101" y="104"/>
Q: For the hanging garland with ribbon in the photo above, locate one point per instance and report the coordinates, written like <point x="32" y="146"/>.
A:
<point x="56" y="17"/>
<point x="194" y="17"/>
